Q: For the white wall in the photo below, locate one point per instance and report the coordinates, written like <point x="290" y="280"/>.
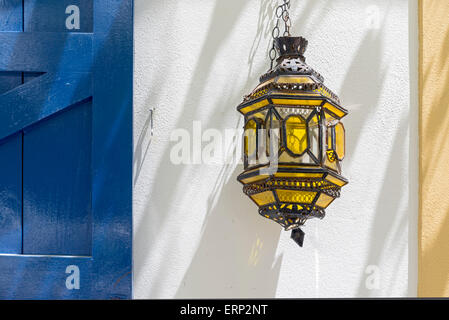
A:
<point x="195" y="233"/>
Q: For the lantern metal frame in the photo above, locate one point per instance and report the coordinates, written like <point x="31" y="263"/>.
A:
<point x="293" y="87"/>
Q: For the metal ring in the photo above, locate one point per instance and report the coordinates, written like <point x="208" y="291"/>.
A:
<point x="275" y="33"/>
<point x="272" y="53"/>
<point x="277" y="11"/>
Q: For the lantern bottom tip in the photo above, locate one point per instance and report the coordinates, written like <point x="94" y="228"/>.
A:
<point x="298" y="236"/>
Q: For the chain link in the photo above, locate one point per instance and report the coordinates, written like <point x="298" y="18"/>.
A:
<point x="281" y="13"/>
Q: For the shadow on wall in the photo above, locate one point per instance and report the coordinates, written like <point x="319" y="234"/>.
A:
<point x="236" y="254"/>
<point x="361" y="86"/>
<point x="231" y="259"/>
<point x="365" y="85"/>
<point x="237" y="248"/>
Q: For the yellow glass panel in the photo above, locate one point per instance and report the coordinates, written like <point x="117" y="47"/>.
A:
<point x="335" y="180"/>
<point x="253" y="179"/>
<point x="254" y="106"/>
<point x="283" y="93"/>
<point x="263" y="198"/>
<point x="335" y="110"/>
<point x="296" y="134"/>
<point x="301" y="102"/>
<point x="340" y="140"/>
<point x="298" y="167"/>
<point x="324" y="201"/>
<point x="325" y="92"/>
<point x="296" y="196"/>
<point x="298" y="175"/>
<point x="250" y="137"/>
<point x="287" y="79"/>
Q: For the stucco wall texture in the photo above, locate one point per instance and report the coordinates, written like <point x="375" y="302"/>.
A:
<point x="195" y="233"/>
<point x="434" y="168"/>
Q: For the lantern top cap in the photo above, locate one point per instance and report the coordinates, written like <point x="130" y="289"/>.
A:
<point x="291" y="59"/>
<point x="291" y="47"/>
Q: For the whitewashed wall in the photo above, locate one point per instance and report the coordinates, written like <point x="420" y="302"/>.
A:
<point x="195" y="233"/>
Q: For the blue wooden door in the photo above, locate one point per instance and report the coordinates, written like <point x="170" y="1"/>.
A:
<point x="66" y="149"/>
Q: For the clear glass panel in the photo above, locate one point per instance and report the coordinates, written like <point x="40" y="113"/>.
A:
<point x="329" y="118"/>
<point x="262" y="143"/>
<point x="330" y="146"/>
<point x="259" y="157"/>
<point x="304" y="159"/>
<point x="314" y="132"/>
<point x="284" y="112"/>
<point x="260" y="115"/>
<point x="296" y="134"/>
<point x="268" y="127"/>
<point x="274" y="135"/>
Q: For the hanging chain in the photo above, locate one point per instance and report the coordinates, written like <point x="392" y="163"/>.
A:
<point x="280" y="13"/>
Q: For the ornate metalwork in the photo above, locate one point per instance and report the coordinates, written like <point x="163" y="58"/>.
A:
<point x="292" y="187"/>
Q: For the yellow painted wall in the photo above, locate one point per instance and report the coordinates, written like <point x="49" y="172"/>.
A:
<point x="434" y="149"/>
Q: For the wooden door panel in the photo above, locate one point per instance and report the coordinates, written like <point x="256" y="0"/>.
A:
<point x="66" y="149"/>
<point x="57" y="215"/>
<point x="11" y="194"/>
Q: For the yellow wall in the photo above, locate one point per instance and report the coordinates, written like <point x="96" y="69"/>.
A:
<point x="434" y="149"/>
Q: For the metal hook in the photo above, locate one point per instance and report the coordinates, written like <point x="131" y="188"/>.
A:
<point x="152" y="111"/>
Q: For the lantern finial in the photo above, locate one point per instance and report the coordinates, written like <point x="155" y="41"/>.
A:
<point x="291" y="47"/>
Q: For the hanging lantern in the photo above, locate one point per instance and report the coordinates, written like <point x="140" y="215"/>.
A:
<point x="293" y="139"/>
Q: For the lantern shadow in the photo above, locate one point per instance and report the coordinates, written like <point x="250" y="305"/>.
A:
<point x="237" y="247"/>
<point x="147" y="231"/>
<point x="153" y="214"/>
<point x="236" y="256"/>
<point x="265" y="24"/>
<point x="394" y="208"/>
<point x="387" y="223"/>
